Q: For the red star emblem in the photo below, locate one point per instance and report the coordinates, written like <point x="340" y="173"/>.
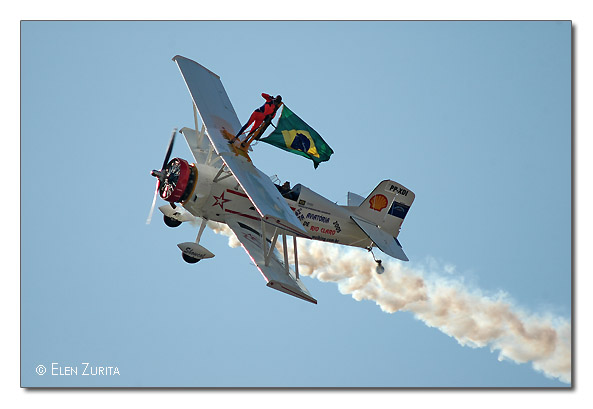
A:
<point x="220" y="200"/>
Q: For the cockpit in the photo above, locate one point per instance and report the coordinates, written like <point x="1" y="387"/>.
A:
<point x="288" y="192"/>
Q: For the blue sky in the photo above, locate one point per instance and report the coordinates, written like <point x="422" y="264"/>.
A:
<point x="474" y="117"/>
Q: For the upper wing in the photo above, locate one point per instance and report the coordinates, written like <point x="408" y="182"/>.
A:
<point x="208" y="94"/>
<point x="276" y="274"/>
<point x="218" y="114"/>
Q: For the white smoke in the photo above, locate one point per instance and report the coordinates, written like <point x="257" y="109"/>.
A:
<point x="223" y="229"/>
<point x="474" y="319"/>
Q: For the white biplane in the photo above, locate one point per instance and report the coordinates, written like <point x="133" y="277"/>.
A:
<point x="223" y="185"/>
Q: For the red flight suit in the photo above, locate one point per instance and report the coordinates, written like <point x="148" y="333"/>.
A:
<point x="258" y="116"/>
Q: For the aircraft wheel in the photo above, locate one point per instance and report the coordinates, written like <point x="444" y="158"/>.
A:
<point x="189" y="259"/>
<point x="169" y="221"/>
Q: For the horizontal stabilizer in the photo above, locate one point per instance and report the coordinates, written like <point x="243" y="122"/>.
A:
<point x="384" y="241"/>
<point x="354" y="199"/>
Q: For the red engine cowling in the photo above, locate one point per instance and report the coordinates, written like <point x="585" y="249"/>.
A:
<point x="179" y="180"/>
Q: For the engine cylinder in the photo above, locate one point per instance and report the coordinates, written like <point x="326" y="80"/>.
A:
<point x="180" y="179"/>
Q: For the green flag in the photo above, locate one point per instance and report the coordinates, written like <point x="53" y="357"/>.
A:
<point x="293" y="135"/>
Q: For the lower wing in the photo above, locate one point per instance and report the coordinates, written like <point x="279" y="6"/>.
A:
<point x="278" y="274"/>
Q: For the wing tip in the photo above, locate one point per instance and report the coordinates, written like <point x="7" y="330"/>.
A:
<point x="291" y="291"/>
<point x="192" y="61"/>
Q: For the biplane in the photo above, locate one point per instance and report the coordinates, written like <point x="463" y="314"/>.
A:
<point x="223" y="185"/>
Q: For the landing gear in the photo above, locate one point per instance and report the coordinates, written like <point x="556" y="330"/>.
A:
<point x="379" y="269"/>
<point x="192" y="252"/>
<point x="189" y="259"/>
<point x="169" y="221"/>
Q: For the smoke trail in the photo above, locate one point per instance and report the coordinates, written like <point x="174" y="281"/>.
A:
<point x="471" y="317"/>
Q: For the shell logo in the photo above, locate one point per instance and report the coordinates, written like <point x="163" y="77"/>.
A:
<point x="378" y="202"/>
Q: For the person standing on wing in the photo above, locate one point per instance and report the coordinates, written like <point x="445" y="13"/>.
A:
<point x="260" y="114"/>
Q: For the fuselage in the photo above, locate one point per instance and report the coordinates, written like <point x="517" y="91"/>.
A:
<point x="216" y="196"/>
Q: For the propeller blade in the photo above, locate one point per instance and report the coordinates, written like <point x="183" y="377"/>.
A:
<point x="156" y="190"/>
<point x="169" y="149"/>
<point x="159" y="174"/>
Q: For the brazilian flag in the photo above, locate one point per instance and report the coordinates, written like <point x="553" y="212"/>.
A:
<point x="293" y="135"/>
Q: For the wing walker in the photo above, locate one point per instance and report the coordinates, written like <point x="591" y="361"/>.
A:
<point x="253" y="135"/>
<point x="223" y="185"/>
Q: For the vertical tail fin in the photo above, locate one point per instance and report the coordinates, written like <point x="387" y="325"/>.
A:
<point x="381" y="214"/>
<point x="388" y="198"/>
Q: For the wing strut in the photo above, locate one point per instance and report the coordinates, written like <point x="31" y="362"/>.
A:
<point x="201" y="135"/>
<point x="269" y="251"/>
<point x="296" y="257"/>
<point x="223" y="169"/>
<point x="285" y="253"/>
<point x="202" y="227"/>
